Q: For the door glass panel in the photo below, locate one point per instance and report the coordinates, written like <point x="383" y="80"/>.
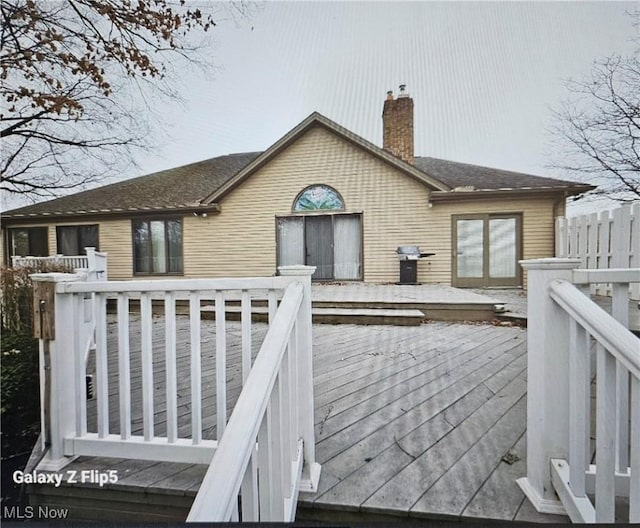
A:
<point x="319" y="246"/>
<point x="347" y="247"/>
<point x="290" y="241"/>
<point x="502" y="247"/>
<point x="469" y="251"/>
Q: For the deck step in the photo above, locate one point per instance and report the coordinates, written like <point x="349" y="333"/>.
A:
<point x="362" y="316"/>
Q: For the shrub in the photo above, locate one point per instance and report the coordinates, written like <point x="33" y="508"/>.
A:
<point x="20" y="389"/>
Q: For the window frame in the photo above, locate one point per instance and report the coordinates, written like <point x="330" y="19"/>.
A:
<point x="312" y="211"/>
<point x="148" y="221"/>
<point x="77" y="228"/>
<point x="10" y="245"/>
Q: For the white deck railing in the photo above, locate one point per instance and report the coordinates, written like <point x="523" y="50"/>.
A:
<point x="281" y="385"/>
<point x="566" y="331"/>
<point x="261" y="451"/>
<point x="93" y="261"/>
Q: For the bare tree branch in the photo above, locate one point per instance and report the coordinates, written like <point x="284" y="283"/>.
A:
<point x="77" y="80"/>
<point x="598" y="126"/>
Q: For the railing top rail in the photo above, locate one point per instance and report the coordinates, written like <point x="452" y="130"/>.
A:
<point x="162" y="285"/>
<point x="216" y="493"/>
<point x="617" y="339"/>
<point x="611" y="275"/>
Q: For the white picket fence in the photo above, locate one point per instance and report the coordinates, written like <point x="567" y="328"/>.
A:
<point x="265" y="452"/>
<point x="609" y="239"/>
<point x="566" y="332"/>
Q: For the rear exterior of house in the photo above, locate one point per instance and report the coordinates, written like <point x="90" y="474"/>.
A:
<point x="320" y="196"/>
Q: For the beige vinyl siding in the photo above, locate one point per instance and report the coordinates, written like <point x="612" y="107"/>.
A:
<point x="241" y="240"/>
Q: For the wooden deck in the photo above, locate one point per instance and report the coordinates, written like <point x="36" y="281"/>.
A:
<point x="411" y="422"/>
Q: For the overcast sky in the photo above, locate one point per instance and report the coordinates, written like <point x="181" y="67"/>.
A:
<point x="483" y="76"/>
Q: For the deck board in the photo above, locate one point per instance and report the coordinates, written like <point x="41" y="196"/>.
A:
<point x="410" y="421"/>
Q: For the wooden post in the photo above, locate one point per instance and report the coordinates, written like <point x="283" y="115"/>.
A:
<point x="56" y="321"/>
<point x="547" y="381"/>
<point x="311" y="469"/>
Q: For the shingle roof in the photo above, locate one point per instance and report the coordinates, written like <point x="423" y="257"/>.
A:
<point x="456" y="174"/>
<point x="191" y="186"/>
<point x="177" y="188"/>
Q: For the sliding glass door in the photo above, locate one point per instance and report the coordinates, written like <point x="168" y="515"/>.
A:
<point x="330" y="242"/>
<point x="486" y="250"/>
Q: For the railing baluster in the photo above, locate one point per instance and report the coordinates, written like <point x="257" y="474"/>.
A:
<point x="634" y="484"/>
<point x="170" y="358"/>
<point x="249" y="490"/>
<point x="605" y="436"/>
<point x="246" y="334"/>
<point x="196" y="381"/>
<point x="81" y="369"/>
<point x="102" y="371"/>
<point x="265" y="468"/>
<point x="221" y="365"/>
<point x="234" y="512"/>
<point x="294" y="343"/>
<point x="146" y="335"/>
<point x="273" y="304"/>
<point x="124" y="373"/>
<point x="620" y="312"/>
<point x="286" y="405"/>
<point x="277" y="496"/>
<point x="579" y="401"/>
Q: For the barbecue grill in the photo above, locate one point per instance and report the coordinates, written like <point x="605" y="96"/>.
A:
<point x="408" y="257"/>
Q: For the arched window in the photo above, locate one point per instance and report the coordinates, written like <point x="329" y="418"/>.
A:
<point x="318" y="197"/>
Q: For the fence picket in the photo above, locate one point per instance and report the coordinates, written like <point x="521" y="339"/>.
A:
<point x="609" y="239"/>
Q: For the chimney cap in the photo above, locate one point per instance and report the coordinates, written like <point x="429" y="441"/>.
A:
<point x="390" y="95"/>
<point x="403" y="92"/>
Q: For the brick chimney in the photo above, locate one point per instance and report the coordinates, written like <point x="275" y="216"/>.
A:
<point x="397" y="123"/>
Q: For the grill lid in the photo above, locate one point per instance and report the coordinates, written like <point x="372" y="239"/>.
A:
<point x="408" y="250"/>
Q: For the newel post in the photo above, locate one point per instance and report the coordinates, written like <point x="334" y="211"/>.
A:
<point x="311" y="469"/>
<point x="55" y="327"/>
<point x="547" y="381"/>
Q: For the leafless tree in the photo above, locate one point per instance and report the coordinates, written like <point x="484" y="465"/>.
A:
<point x="76" y="80"/>
<point x="598" y="127"/>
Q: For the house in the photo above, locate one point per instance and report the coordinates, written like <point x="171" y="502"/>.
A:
<point x="321" y="195"/>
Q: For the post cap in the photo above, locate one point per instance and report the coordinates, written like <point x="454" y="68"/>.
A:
<point x="554" y="263"/>
<point x="296" y="270"/>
